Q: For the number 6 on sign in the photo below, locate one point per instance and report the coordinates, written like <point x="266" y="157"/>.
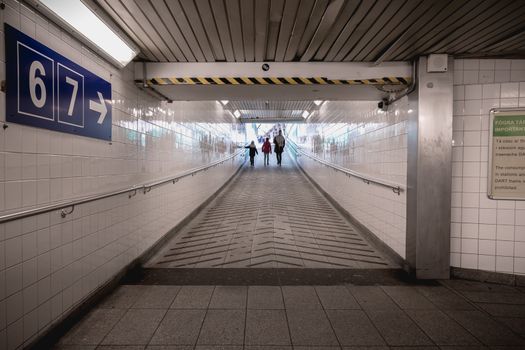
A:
<point x="34" y="91"/>
<point x="34" y="81"/>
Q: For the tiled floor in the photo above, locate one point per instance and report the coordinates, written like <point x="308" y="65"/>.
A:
<point x="270" y="217"/>
<point x="272" y="224"/>
<point x="452" y="315"/>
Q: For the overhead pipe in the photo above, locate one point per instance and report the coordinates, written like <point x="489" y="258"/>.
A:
<point x="144" y="86"/>
<point x="409" y="90"/>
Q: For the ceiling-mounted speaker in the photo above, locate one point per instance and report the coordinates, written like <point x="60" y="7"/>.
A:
<point x="437" y="63"/>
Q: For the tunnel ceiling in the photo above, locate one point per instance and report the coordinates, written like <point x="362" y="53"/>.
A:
<point x="272" y="111"/>
<point x="319" y="30"/>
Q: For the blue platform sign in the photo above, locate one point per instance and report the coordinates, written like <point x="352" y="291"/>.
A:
<point x="46" y="90"/>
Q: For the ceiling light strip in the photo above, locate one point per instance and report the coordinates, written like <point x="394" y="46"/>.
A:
<point x="91" y="27"/>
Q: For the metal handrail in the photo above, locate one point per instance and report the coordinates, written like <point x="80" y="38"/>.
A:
<point x="145" y="188"/>
<point x="396" y="188"/>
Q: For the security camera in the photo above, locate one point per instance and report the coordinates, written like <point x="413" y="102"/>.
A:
<point x="265" y="67"/>
<point x="383" y="105"/>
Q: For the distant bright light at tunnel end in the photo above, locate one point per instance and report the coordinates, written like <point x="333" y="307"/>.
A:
<point x="82" y="19"/>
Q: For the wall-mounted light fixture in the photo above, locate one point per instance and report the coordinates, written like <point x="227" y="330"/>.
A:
<point x="88" y="26"/>
<point x="305" y="114"/>
<point x="236" y="113"/>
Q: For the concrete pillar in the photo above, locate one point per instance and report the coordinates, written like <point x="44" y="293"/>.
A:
<point x="429" y="173"/>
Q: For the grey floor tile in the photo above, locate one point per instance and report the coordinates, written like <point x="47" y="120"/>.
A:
<point x="441" y="328"/>
<point x="474" y="286"/>
<point x="372" y="298"/>
<point x="265" y="297"/>
<point x="123" y="297"/>
<point x="353" y="327"/>
<point x="514" y="323"/>
<point x="444" y="298"/>
<point x="463" y="347"/>
<point x="495" y="297"/>
<point x="488" y="331"/>
<point x="121" y="347"/>
<point x="336" y="297"/>
<point x="169" y="347"/>
<point x="222" y="327"/>
<point x="504" y="310"/>
<point x="157" y="297"/>
<point x="366" y="348"/>
<point x="229" y="297"/>
<point x="266" y="327"/>
<point x="219" y="347"/>
<point x="407" y="297"/>
<point x="429" y="347"/>
<point x="397" y="328"/>
<point x="179" y="327"/>
<point x="317" y="347"/>
<point x="135" y="328"/>
<point x="300" y="297"/>
<point x="310" y="328"/>
<point x="267" y="347"/>
<point x="93" y="327"/>
<point x="193" y="297"/>
<point x="73" y="347"/>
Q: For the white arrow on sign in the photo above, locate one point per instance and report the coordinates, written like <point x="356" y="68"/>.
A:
<point x="99" y="107"/>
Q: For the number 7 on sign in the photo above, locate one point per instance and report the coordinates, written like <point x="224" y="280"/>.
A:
<point x="73" y="95"/>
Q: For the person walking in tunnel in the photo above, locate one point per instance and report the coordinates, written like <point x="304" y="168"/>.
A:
<point x="253" y="152"/>
<point x="267" y="149"/>
<point x="279" y="146"/>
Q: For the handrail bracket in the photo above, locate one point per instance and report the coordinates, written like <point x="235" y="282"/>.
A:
<point x="64" y="213"/>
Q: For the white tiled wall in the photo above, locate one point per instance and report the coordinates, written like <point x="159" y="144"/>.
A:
<point x="49" y="264"/>
<point x="366" y="140"/>
<point x="485" y="234"/>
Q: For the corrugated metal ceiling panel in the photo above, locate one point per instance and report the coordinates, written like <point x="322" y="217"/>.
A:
<point x="319" y="30"/>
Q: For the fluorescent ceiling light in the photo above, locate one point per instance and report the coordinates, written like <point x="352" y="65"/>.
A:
<point x="318" y="102"/>
<point x="305" y="114"/>
<point x="82" y="19"/>
<point x="224" y="102"/>
<point x="237" y="114"/>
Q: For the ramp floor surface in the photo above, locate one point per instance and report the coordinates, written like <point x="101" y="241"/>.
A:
<point x="270" y="217"/>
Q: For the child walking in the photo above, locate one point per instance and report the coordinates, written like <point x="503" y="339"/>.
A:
<point x="253" y="152"/>
<point x="267" y="149"/>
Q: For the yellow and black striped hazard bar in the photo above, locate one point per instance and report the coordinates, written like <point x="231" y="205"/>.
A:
<point x="277" y="81"/>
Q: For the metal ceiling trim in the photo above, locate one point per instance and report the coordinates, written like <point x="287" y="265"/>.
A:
<point x="276" y="81"/>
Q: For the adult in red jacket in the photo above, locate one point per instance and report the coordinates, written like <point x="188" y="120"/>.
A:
<point x="267" y="149"/>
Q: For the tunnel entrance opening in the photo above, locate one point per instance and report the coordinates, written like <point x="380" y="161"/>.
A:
<point x="271" y="224"/>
